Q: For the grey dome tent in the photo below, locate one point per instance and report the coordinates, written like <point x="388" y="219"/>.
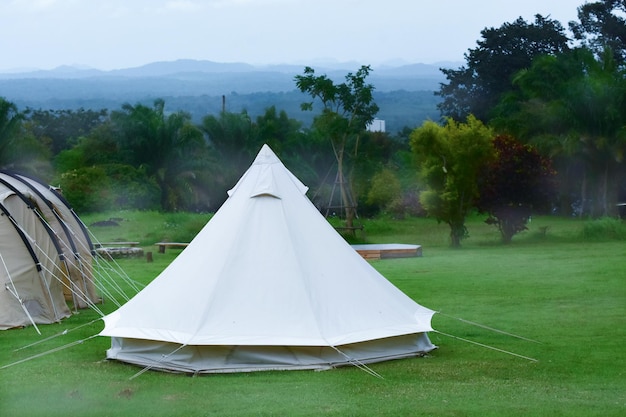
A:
<point x="45" y="254"/>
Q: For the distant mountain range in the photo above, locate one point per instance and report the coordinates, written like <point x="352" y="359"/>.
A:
<point x="182" y="67"/>
<point x="185" y="80"/>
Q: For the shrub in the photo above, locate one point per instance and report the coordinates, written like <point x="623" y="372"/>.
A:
<point x="385" y="188"/>
<point x="131" y="188"/>
<point x="109" y="187"/>
<point x="87" y="189"/>
<point x="605" y="228"/>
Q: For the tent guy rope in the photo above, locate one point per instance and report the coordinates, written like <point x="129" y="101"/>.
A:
<point x="54" y="336"/>
<point x="487" y="346"/>
<point x="359" y="364"/>
<point x="57" y="349"/>
<point x="489" y="328"/>
<point x="156" y="363"/>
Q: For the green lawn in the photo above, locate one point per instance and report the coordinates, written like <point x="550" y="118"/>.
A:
<point x="564" y="292"/>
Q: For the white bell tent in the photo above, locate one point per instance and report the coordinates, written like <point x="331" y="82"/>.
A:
<point x="267" y="284"/>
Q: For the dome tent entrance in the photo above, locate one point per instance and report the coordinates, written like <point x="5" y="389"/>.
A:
<point x="267" y="284"/>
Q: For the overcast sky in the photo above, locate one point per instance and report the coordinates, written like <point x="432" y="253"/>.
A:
<point x="112" y="34"/>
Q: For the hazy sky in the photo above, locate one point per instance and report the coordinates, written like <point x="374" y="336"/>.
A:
<point x="111" y="34"/>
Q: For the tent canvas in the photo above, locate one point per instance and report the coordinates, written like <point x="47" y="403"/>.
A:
<point x="267" y="284"/>
<point x="70" y="233"/>
<point x="43" y="253"/>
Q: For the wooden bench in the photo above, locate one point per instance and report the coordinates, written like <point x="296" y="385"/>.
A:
<point x="163" y="245"/>
<point x="352" y="230"/>
<point x="120" y="244"/>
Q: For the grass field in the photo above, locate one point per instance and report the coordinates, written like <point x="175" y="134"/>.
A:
<point x="565" y="289"/>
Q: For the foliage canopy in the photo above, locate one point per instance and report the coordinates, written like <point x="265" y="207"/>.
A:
<point x="476" y="87"/>
<point x="347" y="109"/>
<point x="450" y="159"/>
<point x="517" y="183"/>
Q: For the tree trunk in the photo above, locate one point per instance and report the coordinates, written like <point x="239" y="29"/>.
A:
<point x="583" y="194"/>
<point x="506" y="231"/>
<point x="165" y="198"/>
<point x="611" y="189"/>
<point x="604" y="188"/>
<point x="343" y="191"/>
<point x="457" y="233"/>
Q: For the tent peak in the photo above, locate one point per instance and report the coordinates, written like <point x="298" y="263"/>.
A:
<point x="261" y="176"/>
<point x="266" y="156"/>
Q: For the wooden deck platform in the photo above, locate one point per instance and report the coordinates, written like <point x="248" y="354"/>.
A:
<point x="367" y="251"/>
<point x="388" y="250"/>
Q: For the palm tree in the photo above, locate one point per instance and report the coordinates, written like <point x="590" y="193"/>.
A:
<point x="168" y="147"/>
<point x="232" y="136"/>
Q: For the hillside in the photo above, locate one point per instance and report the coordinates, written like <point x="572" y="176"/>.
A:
<point x="404" y="93"/>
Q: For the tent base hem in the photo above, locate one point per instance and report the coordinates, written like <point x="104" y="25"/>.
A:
<point x="194" y="359"/>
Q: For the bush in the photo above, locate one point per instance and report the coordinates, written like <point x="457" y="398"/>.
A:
<point x="86" y="189"/>
<point x="109" y="187"/>
<point x="605" y="228"/>
<point x="182" y="226"/>
<point x="408" y="204"/>
<point x="385" y="188"/>
<point x="131" y="188"/>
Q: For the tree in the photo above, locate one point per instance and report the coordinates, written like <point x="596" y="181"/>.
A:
<point x="235" y="139"/>
<point x="169" y="147"/>
<point x="450" y="159"/>
<point x="94" y="177"/>
<point x="10" y="120"/>
<point x="378" y="162"/>
<point x="19" y="150"/>
<point x="575" y="106"/>
<point x="232" y="139"/>
<point x="476" y="87"/>
<point x="100" y="146"/>
<point x="347" y="109"/>
<point x="277" y="130"/>
<point x="515" y="184"/>
<point x="59" y="129"/>
<point x="299" y="150"/>
<point x="602" y="25"/>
